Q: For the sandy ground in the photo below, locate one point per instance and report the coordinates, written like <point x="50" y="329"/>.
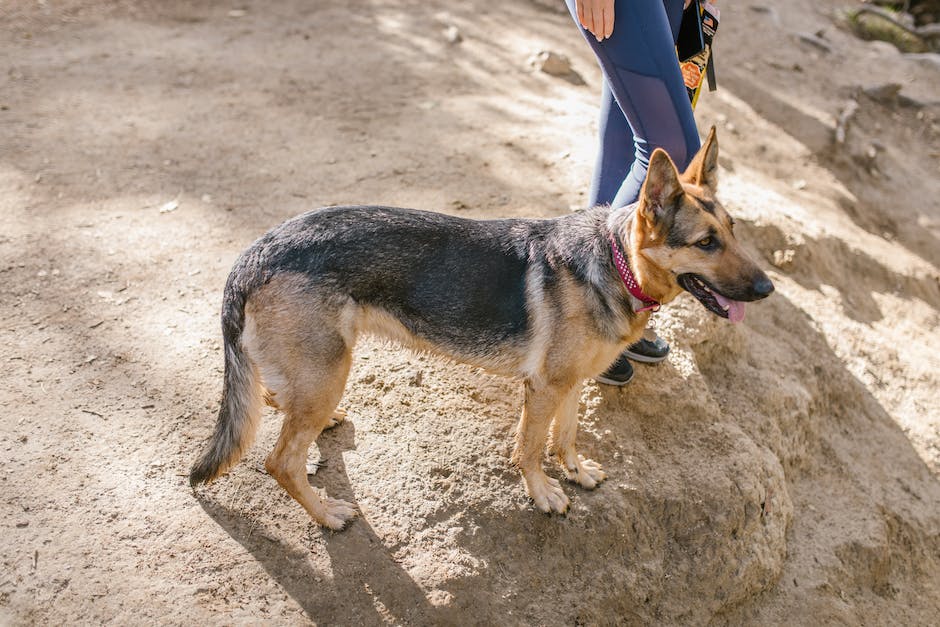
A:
<point x="783" y="471"/>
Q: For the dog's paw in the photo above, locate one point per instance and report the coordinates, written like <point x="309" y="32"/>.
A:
<point x="547" y="493"/>
<point x="338" y="417"/>
<point x="336" y="513"/>
<point x="586" y="472"/>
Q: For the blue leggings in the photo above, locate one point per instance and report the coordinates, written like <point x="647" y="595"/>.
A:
<point x="644" y="103"/>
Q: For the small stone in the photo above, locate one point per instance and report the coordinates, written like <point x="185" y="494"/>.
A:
<point x="167" y="207"/>
<point x="452" y="35"/>
<point x="783" y="258"/>
<point x="815" y="41"/>
<point x="551" y="63"/>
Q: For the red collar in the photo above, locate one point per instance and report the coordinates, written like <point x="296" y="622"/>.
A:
<point x="626" y="275"/>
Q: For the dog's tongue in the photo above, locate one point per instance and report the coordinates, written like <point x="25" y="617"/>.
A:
<point x="735" y="308"/>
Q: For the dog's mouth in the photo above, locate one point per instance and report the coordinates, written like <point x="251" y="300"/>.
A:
<point x="719" y="305"/>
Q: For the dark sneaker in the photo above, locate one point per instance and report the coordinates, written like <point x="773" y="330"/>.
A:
<point x="619" y="373"/>
<point x="648" y="351"/>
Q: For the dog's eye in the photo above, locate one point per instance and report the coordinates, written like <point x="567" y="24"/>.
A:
<point x="707" y="243"/>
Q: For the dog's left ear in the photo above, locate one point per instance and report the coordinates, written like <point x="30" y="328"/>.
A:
<point x="660" y="189"/>
<point x="703" y="171"/>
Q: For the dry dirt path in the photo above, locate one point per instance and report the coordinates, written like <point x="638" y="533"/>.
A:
<point x="783" y="471"/>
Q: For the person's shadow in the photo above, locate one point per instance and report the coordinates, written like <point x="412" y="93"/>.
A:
<point x="367" y="587"/>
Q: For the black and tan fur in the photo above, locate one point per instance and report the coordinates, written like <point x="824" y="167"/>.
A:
<point x="539" y="300"/>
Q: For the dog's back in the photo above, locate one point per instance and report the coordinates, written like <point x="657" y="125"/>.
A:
<point x="459" y="284"/>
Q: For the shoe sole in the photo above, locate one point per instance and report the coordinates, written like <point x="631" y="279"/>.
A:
<point x="606" y="381"/>
<point x="646" y="359"/>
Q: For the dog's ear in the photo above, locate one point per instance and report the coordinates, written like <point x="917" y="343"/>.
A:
<point x="660" y="189"/>
<point x="703" y="171"/>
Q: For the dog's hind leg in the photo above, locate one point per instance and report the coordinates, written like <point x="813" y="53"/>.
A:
<point x="541" y="403"/>
<point x="586" y="472"/>
<point x="312" y="397"/>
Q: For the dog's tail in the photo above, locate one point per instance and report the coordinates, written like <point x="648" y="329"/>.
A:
<point x="240" y="411"/>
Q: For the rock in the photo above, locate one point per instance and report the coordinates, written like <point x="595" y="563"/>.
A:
<point x="783" y="258"/>
<point x="814" y="40"/>
<point x="551" y="63"/>
<point x="886" y="94"/>
<point x="452" y="35"/>
<point x="555" y="64"/>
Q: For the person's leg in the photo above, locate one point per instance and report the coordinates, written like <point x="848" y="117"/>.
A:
<point x="642" y="76"/>
<point x="615" y="150"/>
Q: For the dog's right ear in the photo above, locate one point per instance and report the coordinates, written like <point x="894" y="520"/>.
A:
<point x="660" y="189"/>
<point x="703" y="170"/>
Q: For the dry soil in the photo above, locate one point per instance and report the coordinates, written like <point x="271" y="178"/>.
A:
<point x="782" y="471"/>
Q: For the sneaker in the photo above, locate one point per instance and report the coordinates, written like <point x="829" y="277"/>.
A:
<point x="619" y="373"/>
<point x="648" y="351"/>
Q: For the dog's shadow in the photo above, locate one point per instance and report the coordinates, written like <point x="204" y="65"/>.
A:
<point x="365" y="585"/>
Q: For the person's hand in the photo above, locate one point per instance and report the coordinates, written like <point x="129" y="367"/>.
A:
<point x="596" y="16"/>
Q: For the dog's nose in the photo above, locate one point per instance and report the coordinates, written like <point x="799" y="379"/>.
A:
<point x="762" y="287"/>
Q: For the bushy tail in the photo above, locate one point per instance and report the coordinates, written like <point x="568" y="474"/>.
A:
<point x="241" y="399"/>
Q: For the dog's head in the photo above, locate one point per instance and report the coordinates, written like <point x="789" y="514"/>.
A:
<point x="683" y="239"/>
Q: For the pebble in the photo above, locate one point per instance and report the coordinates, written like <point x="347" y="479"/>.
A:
<point x="452" y="35"/>
<point x="551" y="63"/>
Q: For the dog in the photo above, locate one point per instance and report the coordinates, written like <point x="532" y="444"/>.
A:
<point x="550" y="302"/>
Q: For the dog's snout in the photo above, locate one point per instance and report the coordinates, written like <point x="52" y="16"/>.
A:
<point x="762" y="287"/>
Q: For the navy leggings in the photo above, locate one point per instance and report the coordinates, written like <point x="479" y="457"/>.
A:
<point x="644" y="103"/>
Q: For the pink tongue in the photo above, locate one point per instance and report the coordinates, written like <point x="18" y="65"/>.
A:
<point x="735" y="308"/>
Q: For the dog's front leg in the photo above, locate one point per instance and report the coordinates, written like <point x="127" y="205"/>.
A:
<point x="541" y="403"/>
<point x="586" y="472"/>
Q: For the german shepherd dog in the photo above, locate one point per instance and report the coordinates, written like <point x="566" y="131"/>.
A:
<point x="539" y="300"/>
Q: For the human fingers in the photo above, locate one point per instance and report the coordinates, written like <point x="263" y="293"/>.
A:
<point x="586" y="14"/>
<point x="598" y="11"/>
<point x="609" y="20"/>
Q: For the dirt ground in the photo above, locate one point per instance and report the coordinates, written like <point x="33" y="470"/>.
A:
<point x="782" y="471"/>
